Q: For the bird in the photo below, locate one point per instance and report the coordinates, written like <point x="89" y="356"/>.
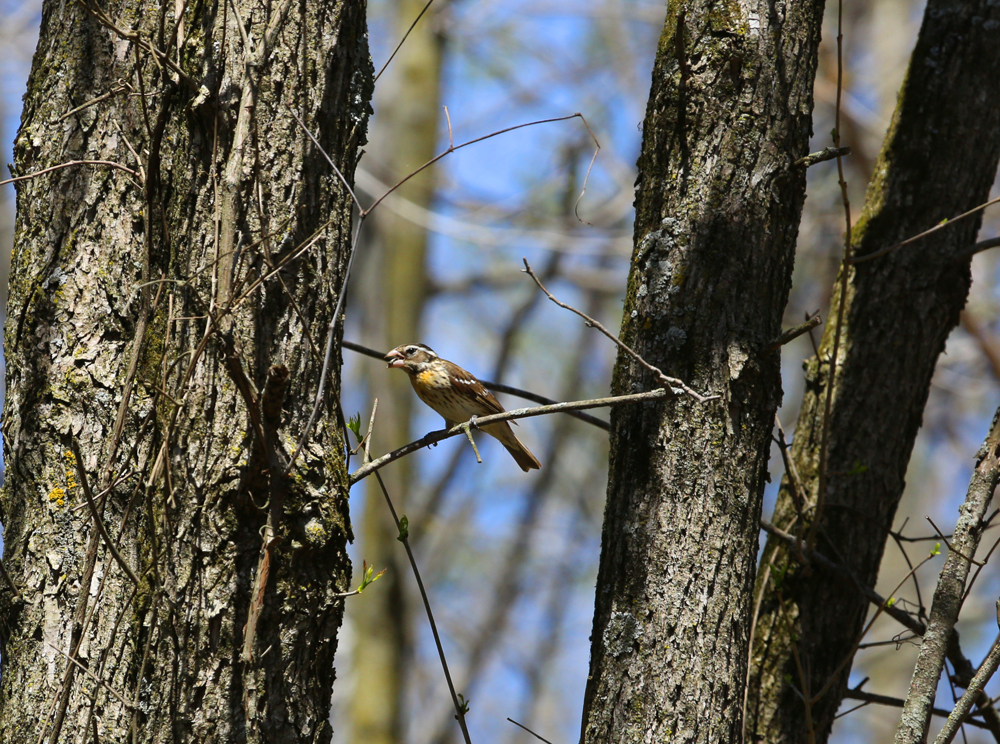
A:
<point x="457" y="395"/>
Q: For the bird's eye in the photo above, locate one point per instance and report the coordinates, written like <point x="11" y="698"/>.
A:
<point x="411" y="350"/>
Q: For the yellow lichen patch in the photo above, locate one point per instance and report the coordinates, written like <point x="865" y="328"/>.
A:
<point x="70" y="469"/>
<point x="57" y="495"/>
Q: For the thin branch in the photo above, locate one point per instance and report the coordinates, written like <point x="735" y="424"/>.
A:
<point x="10" y="582"/>
<point x="821" y="560"/>
<point x="586" y="178"/>
<point x="827" y="153"/>
<point x="982" y="245"/>
<point x="158" y="55"/>
<point x="328" y="354"/>
<point x="70" y="164"/>
<point x="496" y="387"/>
<point x="114" y="91"/>
<point x="518" y="413"/>
<point x="941" y="226"/>
<point x="89" y="496"/>
<point x="452" y="148"/>
<point x="93" y="676"/>
<point x="401" y="41"/>
<point x="671" y="382"/>
<point x="793" y="333"/>
<point x="519" y="725"/>
<point x="329" y="160"/>
<point x="404" y="538"/>
<point x="894" y="702"/>
<point x="951" y="547"/>
<point x="845" y="265"/>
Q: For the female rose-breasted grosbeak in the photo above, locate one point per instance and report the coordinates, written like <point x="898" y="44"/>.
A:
<point x="457" y="395"/>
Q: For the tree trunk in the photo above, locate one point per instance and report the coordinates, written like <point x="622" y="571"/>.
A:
<point x="161" y="370"/>
<point x="406" y="129"/>
<point x="717" y="213"/>
<point x="935" y="164"/>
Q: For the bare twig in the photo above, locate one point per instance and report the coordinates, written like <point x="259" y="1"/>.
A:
<point x="670" y="382"/>
<point x="404" y="538"/>
<point x="982" y="245"/>
<point x="793" y="333"/>
<point x="114" y="91"/>
<point x="520" y="725"/>
<point x="827" y="153"/>
<point x="89" y="496"/>
<point x="517" y="413"/>
<point x="328" y="159"/>
<point x="894" y="702"/>
<point x="951" y="547"/>
<point x="941" y="226"/>
<point x="93" y="676"/>
<point x="405" y="36"/>
<point x="821" y="560"/>
<point x="845" y="266"/>
<point x="453" y="148"/>
<point x="10" y="582"/>
<point x="70" y="164"/>
<point x="467" y="428"/>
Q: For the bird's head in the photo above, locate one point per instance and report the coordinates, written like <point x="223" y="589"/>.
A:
<point x="410" y="357"/>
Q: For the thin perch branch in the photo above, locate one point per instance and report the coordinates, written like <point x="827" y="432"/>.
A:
<point x="517" y="413"/>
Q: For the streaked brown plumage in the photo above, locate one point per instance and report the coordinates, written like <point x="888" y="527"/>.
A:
<point x="457" y="395"/>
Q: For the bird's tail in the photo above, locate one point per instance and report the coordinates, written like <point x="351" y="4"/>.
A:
<point x="521" y="454"/>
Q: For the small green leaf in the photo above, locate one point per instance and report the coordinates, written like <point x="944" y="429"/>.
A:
<point x="366" y="576"/>
<point x="463" y="704"/>
<point x="937" y="549"/>
<point x="404" y="528"/>
<point x="355" y="425"/>
<point x="890" y="602"/>
<point x="857" y="468"/>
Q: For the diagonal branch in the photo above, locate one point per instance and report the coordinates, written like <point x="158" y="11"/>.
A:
<point x="671" y="382"/>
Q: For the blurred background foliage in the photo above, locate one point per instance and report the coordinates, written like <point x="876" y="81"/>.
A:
<point x="510" y="558"/>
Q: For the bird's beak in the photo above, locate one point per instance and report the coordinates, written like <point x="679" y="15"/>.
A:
<point x="394" y="358"/>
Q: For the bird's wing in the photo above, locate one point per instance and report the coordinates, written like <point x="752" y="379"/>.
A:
<point x="472" y="387"/>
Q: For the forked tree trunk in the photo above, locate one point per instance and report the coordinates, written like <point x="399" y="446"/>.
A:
<point x="938" y="160"/>
<point x="165" y="341"/>
<point x="719" y="199"/>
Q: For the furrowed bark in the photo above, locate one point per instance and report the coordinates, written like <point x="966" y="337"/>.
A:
<point x="717" y="213"/>
<point x="135" y="333"/>
<point x="934" y="164"/>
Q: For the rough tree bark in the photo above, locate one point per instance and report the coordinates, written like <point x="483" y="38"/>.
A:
<point x="403" y="138"/>
<point x="935" y="164"/>
<point x="717" y="212"/>
<point x="156" y="390"/>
